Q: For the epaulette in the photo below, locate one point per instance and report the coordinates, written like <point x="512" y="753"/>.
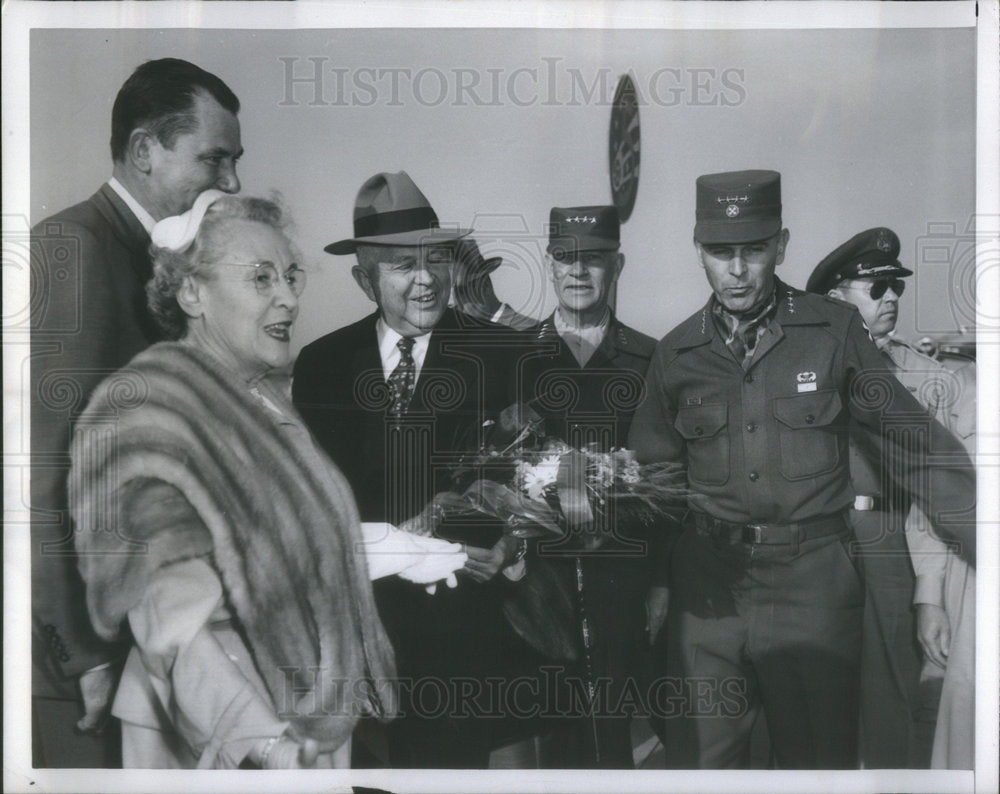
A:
<point x="912" y="351"/>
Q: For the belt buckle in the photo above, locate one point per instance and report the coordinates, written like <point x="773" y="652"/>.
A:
<point x="758" y="533"/>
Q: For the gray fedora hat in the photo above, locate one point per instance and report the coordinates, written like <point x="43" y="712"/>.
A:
<point x="391" y="210"/>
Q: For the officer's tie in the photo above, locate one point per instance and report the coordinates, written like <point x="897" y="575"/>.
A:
<point x="403" y="378"/>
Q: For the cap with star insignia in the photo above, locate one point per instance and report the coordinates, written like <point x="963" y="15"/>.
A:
<point x="593" y="228"/>
<point x="737" y="206"/>
<point x="871" y="254"/>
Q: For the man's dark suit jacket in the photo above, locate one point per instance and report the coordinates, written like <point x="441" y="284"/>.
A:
<point x="395" y="467"/>
<point x="339" y="387"/>
<point x="90" y="264"/>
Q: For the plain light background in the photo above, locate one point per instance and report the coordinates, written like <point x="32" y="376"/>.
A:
<point x="868" y="128"/>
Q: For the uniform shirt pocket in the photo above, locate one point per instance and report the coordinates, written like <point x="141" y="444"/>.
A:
<point x="704" y="430"/>
<point x="809" y="445"/>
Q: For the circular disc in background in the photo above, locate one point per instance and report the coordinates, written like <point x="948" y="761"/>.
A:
<point x="623" y="147"/>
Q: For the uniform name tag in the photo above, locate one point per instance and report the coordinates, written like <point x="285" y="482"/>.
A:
<point x="806" y="387"/>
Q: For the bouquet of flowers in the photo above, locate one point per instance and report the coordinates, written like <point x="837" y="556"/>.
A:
<point x="539" y="486"/>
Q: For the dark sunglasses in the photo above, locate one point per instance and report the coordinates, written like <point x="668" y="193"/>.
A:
<point x="878" y="288"/>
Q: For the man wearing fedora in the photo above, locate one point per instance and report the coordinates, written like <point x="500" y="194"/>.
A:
<point x="585" y="351"/>
<point x="900" y="687"/>
<point x="394" y="399"/>
<point x="754" y="395"/>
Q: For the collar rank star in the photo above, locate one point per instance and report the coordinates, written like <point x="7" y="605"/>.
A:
<point x="806" y="381"/>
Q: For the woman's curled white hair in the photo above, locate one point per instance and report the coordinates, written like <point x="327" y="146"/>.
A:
<point x="171" y="267"/>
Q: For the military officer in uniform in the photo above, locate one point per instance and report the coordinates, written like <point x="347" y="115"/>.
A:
<point x="907" y="654"/>
<point x="754" y="394"/>
<point x="586" y="379"/>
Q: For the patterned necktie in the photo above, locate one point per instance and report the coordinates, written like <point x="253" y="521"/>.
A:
<point x="402" y="378"/>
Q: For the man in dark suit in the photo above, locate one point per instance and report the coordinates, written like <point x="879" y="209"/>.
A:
<point x="174" y="134"/>
<point x="393" y="399"/>
<point x="586" y="380"/>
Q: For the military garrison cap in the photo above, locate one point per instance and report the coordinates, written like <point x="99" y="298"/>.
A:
<point x="871" y="254"/>
<point x="737" y="206"/>
<point x="594" y="228"/>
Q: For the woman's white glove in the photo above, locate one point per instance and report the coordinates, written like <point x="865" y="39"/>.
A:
<point x="416" y="558"/>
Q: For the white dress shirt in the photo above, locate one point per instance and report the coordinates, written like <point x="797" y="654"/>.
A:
<point x="389" y="353"/>
<point x="138" y="210"/>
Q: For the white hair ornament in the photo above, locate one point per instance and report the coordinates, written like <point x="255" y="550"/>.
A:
<point x="178" y="231"/>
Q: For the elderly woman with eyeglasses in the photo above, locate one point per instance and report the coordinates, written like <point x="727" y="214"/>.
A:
<point x="210" y="523"/>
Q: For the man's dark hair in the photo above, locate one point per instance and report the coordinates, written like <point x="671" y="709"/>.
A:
<point x="160" y="96"/>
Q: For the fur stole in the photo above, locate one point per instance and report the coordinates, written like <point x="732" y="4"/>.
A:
<point x="281" y="522"/>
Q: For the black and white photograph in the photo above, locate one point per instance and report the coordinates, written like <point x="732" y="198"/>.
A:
<point x="501" y="396"/>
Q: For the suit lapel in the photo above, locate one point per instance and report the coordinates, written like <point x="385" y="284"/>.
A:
<point x="447" y="332"/>
<point x="365" y="356"/>
<point x="126" y="228"/>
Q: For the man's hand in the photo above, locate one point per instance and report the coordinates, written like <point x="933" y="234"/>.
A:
<point x="657" y="602"/>
<point x="934" y="633"/>
<point x="472" y="288"/>
<point x="286" y="753"/>
<point x="484" y="564"/>
<point x="97" y="688"/>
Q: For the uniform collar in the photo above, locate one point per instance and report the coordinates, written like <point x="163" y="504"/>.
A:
<point x="792" y="310"/>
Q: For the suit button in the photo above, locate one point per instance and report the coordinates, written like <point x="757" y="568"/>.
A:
<point x="698" y="431"/>
<point x="810" y="419"/>
<point x="748" y="378"/>
<point x="751" y="427"/>
<point x="753" y="476"/>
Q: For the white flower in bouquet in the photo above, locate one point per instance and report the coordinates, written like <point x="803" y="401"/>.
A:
<point x="602" y="470"/>
<point x="628" y="466"/>
<point x="535" y="479"/>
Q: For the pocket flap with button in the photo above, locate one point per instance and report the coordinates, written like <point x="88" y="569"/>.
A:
<point x="701" y="421"/>
<point x="813" y="409"/>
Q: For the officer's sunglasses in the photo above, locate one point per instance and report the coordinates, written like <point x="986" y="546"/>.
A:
<point x="878" y="287"/>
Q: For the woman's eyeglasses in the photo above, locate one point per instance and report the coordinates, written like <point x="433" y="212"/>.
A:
<point x="266" y="277"/>
<point x="878" y="287"/>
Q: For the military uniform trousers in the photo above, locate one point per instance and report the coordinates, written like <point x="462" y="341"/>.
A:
<point x="598" y="735"/>
<point x="756" y="626"/>
<point x="890" y="655"/>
